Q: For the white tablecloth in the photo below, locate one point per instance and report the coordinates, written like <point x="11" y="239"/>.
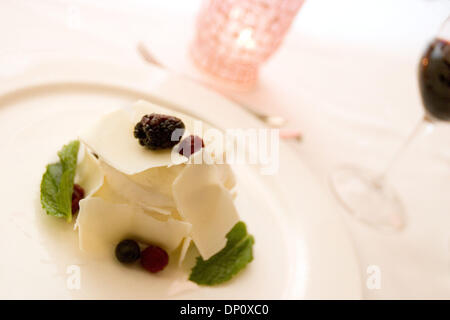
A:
<point x="346" y="75"/>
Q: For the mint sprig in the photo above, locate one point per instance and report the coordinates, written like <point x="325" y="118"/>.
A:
<point x="57" y="183"/>
<point x="229" y="261"/>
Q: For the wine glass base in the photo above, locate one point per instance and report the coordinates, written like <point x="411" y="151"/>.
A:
<point x="376" y="204"/>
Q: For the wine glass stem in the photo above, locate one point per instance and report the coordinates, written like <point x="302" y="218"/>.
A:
<point x="379" y="181"/>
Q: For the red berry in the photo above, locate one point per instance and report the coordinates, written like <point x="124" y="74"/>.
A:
<point x="154" y="259"/>
<point x="77" y="195"/>
<point x="190" y="145"/>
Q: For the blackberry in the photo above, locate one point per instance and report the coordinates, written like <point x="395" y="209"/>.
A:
<point x="190" y="145"/>
<point x="155" y="131"/>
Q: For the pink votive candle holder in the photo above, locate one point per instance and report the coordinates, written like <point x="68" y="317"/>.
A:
<point x="233" y="37"/>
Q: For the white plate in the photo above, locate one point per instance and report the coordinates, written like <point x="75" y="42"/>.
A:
<point x="302" y="249"/>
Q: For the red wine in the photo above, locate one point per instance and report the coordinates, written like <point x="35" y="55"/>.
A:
<point x="434" y="79"/>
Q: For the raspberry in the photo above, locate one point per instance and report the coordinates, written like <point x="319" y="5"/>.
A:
<point x="154" y="259"/>
<point x="190" y="145"/>
<point x="155" y="131"/>
<point x="77" y="195"/>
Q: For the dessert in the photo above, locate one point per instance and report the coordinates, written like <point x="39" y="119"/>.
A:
<point x="133" y="181"/>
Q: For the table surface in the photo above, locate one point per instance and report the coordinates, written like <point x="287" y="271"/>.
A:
<point x="345" y="75"/>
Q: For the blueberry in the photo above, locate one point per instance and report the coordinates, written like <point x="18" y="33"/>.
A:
<point x="127" y="251"/>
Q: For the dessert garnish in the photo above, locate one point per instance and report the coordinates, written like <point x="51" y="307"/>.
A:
<point x="57" y="183"/>
<point x="77" y="195"/>
<point x="190" y="145"/>
<point x="154" y="259"/>
<point x="226" y="263"/>
<point x="149" y="196"/>
<point x="127" y="251"/>
<point x="156" y="131"/>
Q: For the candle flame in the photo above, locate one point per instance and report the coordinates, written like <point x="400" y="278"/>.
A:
<point x="245" y="39"/>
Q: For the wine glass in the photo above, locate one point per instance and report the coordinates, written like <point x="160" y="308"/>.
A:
<point x="368" y="196"/>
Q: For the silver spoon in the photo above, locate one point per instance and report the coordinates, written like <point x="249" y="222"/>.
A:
<point x="271" y="121"/>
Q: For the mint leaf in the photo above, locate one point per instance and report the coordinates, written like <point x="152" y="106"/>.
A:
<point x="68" y="155"/>
<point x="229" y="261"/>
<point x="57" y="183"/>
